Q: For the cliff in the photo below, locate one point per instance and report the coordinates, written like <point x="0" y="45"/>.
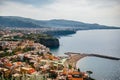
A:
<point x="49" y="42"/>
<point x="60" y="32"/>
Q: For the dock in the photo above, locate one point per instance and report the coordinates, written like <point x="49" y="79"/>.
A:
<point x="75" y="57"/>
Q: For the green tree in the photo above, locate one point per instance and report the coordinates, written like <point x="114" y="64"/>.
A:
<point x="70" y="67"/>
<point x="78" y="69"/>
<point x="89" y="73"/>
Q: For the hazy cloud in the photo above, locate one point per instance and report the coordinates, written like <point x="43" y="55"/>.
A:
<point x="30" y="2"/>
<point x="92" y="11"/>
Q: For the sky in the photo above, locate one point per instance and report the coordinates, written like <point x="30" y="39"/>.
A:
<point x="105" y="12"/>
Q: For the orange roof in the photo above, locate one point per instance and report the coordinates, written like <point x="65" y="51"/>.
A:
<point x="8" y="64"/>
<point x="77" y="78"/>
<point x="76" y="72"/>
<point x="32" y="70"/>
<point x="19" y="63"/>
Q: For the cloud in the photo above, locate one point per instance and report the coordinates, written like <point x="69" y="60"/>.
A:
<point x="30" y="2"/>
<point x="91" y="11"/>
<point x="104" y="2"/>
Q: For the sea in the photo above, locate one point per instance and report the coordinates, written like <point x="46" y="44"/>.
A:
<point x="104" y="42"/>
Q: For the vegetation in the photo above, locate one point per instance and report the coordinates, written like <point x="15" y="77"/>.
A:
<point x="24" y="77"/>
<point x="32" y="36"/>
<point x="78" y="69"/>
<point x="89" y="73"/>
<point x="19" y="22"/>
<point x="69" y="66"/>
<point x="53" y="75"/>
<point x="44" y="39"/>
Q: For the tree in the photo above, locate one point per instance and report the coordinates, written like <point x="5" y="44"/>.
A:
<point x="53" y="75"/>
<point x="78" y="69"/>
<point x="89" y="73"/>
<point x="1" y="48"/>
<point x="69" y="66"/>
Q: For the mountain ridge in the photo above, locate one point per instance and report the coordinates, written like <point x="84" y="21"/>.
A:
<point x="17" y="21"/>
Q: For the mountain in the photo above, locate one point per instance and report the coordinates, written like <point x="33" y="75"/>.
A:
<point x="15" y="21"/>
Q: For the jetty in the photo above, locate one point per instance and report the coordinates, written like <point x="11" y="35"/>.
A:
<point x="75" y="57"/>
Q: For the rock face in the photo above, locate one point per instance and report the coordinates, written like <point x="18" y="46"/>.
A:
<point x="60" y="32"/>
<point x="49" y="42"/>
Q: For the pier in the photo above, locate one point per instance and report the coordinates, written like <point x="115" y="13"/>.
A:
<point x="75" y="57"/>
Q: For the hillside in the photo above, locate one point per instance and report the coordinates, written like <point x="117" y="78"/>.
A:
<point x="14" y="21"/>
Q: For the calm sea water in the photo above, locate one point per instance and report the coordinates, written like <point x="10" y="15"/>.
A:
<point x="106" y="42"/>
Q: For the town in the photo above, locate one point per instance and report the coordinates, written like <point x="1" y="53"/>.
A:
<point x="25" y="59"/>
